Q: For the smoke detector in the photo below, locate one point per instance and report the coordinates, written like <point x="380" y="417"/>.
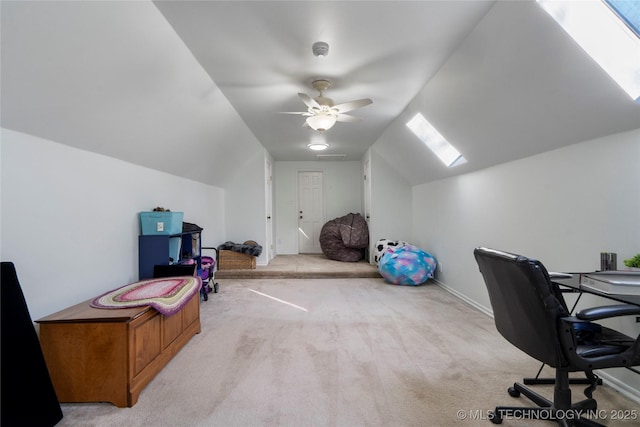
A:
<point x="320" y="49"/>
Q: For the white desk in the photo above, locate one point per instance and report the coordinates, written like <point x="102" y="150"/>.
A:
<point x="621" y="286"/>
<point x="620" y="283"/>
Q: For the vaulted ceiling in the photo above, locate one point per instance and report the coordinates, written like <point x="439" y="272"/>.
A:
<point x="194" y="88"/>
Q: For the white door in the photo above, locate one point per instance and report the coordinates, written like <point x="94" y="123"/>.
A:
<point x="310" y="211"/>
<point x="269" y="208"/>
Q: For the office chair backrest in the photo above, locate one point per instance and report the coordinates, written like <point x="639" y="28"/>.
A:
<point x="524" y="304"/>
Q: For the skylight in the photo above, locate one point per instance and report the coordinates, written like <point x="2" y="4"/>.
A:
<point x="628" y="11"/>
<point x="435" y="141"/>
<point x="606" y="32"/>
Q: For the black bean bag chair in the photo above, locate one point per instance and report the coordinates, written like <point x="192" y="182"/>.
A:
<point x="345" y="238"/>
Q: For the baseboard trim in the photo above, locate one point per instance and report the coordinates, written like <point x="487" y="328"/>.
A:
<point x="464" y="298"/>
<point x="620" y="386"/>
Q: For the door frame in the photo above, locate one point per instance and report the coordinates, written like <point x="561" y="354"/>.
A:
<point x="297" y="212"/>
<point x="269" y="220"/>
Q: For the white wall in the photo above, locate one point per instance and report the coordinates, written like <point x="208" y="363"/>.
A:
<point x="391" y="201"/>
<point x="245" y="204"/>
<point x="562" y="207"/>
<point x="70" y="218"/>
<point x="343" y="194"/>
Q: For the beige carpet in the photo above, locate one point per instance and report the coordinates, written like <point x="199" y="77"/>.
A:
<point x="333" y="352"/>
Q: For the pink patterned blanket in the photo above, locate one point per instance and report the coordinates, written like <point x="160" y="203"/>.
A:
<point x="167" y="295"/>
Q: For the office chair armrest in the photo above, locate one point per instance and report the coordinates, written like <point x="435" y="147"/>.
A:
<point x="607" y="311"/>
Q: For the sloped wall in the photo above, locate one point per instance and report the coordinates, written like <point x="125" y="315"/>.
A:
<point x="70" y="218"/>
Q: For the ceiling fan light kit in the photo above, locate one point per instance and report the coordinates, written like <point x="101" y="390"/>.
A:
<point x="322" y="113"/>
<point x="321" y="122"/>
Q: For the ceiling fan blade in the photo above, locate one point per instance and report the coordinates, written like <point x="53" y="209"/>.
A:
<point x="309" y="101"/>
<point x="300" y="113"/>
<point x="348" y="118"/>
<point x="348" y="106"/>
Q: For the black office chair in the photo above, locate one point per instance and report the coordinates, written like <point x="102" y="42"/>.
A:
<point x="530" y="313"/>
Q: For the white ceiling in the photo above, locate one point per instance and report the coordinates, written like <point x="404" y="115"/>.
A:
<point x="195" y="88"/>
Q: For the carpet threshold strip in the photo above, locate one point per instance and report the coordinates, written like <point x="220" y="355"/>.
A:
<point x="257" y="274"/>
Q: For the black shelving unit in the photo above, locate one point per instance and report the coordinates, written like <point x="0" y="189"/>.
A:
<point x="166" y="249"/>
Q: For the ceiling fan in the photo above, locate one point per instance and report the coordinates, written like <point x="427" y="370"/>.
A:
<point x="322" y="113"/>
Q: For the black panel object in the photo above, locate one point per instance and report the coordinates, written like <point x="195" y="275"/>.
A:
<point x="174" y="270"/>
<point x="28" y="396"/>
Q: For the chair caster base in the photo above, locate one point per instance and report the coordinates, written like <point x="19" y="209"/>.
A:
<point x="513" y="392"/>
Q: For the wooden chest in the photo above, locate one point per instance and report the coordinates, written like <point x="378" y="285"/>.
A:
<point x="97" y="355"/>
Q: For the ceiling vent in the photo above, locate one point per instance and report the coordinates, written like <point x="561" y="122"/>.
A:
<point x="331" y="156"/>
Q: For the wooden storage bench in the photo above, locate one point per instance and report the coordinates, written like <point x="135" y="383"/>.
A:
<point x="99" y="355"/>
<point x="232" y="260"/>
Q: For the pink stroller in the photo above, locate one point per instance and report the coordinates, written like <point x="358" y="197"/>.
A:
<point x="206" y="273"/>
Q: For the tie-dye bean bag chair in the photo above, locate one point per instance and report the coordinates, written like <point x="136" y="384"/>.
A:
<point x="406" y="265"/>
